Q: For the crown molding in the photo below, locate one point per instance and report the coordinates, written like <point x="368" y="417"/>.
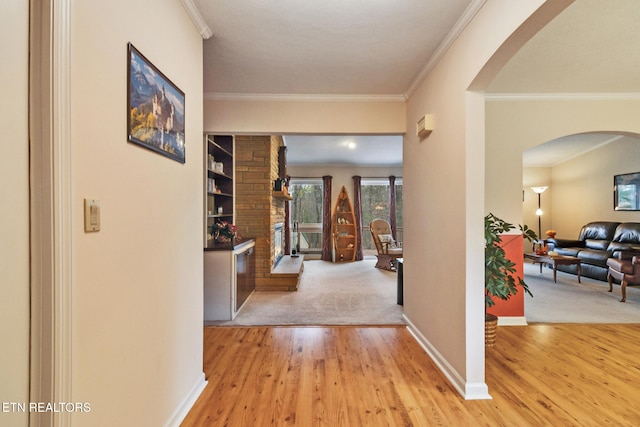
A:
<point x="196" y="18"/>
<point x="455" y="32"/>
<point x="266" y="97"/>
<point x="561" y="96"/>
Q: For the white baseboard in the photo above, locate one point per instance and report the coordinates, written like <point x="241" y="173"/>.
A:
<point x="469" y="391"/>
<point x="512" y="321"/>
<point x="188" y="402"/>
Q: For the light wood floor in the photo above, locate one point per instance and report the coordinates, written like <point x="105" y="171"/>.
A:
<point x="538" y="375"/>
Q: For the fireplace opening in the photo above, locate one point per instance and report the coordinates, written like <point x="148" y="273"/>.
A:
<point x="278" y="243"/>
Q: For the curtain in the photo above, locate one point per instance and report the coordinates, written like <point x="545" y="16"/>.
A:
<point x="357" y="207"/>
<point x="287" y="228"/>
<point x="326" y="219"/>
<point x="392" y="205"/>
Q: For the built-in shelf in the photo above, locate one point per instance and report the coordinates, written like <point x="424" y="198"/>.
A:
<point x="281" y="195"/>
<point x="219" y="176"/>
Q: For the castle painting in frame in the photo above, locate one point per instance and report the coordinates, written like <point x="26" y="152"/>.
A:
<point x="156" y="108"/>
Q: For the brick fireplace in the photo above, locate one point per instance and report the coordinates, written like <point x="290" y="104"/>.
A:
<point x="257" y="211"/>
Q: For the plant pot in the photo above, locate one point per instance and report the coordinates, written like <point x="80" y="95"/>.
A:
<point x="490" y="329"/>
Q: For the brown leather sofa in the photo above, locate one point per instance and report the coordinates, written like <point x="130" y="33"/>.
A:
<point x="597" y="242"/>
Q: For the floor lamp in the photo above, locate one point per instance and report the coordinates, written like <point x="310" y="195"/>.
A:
<point x="539" y="191"/>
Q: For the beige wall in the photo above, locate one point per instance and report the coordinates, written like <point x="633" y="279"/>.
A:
<point x="137" y="284"/>
<point x="581" y="189"/>
<point x="14" y="209"/>
<point x="321" y="116"/>
<point x="444" y="180"/>
<point x="517" y="125"/>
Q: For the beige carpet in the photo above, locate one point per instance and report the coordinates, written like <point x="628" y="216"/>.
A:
<point x="571" y="302"/>
<point x="354" y="293"/>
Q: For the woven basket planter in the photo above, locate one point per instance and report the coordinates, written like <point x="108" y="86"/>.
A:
<point x="490" y="329"/>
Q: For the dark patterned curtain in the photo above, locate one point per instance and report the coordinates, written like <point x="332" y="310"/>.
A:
<point x="357" y="207"/>
<point x="326" y="219"/>
<point x="287" y="228"/>
<point x="392" y="205"/>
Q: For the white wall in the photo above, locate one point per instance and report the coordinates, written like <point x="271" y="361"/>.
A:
<point x="137" y="284"/>
<point x="14" y="209"/>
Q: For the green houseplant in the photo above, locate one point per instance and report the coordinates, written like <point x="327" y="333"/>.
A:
<point x="499" y="280"/>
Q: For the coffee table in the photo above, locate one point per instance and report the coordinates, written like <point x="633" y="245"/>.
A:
<point x="556" y="260"/>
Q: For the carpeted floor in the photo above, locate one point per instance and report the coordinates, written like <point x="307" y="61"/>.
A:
<point x="571" y="302"/>
<point x="357" y="293"/>
<point x="354" y="293"/>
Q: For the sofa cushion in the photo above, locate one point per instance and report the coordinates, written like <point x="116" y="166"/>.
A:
<point x="596" y="244"/>
<point x="616" y="247"/>
<point x="568" y="251"/>
<point x="599" y="230"/>
<point x="594" y="257"/>
<point x="628" y="232"/>
<point x="564" y="243"/>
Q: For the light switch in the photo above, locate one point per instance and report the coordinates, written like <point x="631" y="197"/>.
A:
<point x="91" y="215"/>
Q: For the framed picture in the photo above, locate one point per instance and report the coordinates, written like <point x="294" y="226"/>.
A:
<point x="626" y="192"/>
<point x="156" y="117"/>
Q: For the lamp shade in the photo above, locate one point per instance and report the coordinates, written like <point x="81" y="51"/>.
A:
<point x="539" y="190"/>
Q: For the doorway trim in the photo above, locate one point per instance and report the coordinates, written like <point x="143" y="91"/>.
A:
<point x="51" y="208"/>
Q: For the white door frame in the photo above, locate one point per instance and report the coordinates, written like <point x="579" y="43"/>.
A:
<point x="50" y="208"/>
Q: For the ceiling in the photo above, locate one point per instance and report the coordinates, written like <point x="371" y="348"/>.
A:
<point x="382" y="49"/>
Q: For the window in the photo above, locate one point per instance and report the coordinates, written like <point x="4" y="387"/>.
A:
<point x="306" y="215"/>
<point x="375" y="204"/>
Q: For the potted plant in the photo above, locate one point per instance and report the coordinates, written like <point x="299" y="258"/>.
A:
<point x="499" y="280"/>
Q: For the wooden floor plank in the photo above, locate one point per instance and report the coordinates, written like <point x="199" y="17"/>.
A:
<point x="541" y="374"/>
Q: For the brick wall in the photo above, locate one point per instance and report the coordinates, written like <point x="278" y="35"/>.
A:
<point x="256" y="168"/>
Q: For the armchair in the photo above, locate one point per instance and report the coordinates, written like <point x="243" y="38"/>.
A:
<point x="626" y="269"/>
<point x="388" y="249"/>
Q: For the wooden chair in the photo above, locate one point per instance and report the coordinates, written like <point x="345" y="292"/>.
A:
<point x="388" y="249"/>
<point x="625" y="269"/>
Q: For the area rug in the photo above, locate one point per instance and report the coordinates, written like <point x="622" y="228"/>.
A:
<point x="571" y="302"/>
<point x="353" y="293"/>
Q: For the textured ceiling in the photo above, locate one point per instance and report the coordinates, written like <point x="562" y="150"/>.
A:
<point x="383" y="47"/>
<point x="354" y="47"/>
<point x="591" y="47"/>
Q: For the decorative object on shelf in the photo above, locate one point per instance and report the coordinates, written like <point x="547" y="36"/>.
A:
<point x="151" y="93"/>
<point x="498" y="270"/>
<point x="551" y="233"/>
<point x="223" y="231"/>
